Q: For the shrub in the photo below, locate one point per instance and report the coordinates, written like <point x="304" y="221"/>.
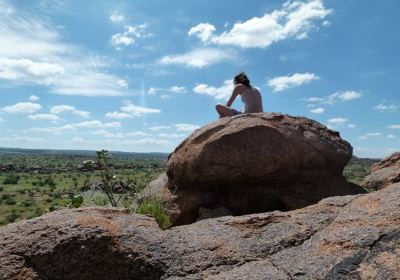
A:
<point x="154" y="208"/>
<point x="10" y="201"/>
<point x="12" y="217"/>
<point x="11" y="179"/>
<point x="94" y="198"/>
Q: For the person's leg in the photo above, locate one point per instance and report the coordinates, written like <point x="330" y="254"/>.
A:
<point x="224" y="111"/>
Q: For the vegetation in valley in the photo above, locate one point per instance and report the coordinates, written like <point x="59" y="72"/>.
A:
<point x="358" y="169"/>
<point x="35" y="183"/>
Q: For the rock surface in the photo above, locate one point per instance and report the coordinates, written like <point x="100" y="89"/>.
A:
<point x="255" y="163"/>
<point x="349" y="237"/>
<point x="383" y="173"/>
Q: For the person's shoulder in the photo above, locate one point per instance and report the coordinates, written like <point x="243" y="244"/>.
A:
<point x="239" y="88"/>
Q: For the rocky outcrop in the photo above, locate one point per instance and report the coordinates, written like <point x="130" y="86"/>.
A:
<point x="383" y="173"/>
<point x="348" y="237"/>
<point x="255" y="163"/>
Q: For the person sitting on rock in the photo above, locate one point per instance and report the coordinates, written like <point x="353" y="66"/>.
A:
<point x="251" y="97"/>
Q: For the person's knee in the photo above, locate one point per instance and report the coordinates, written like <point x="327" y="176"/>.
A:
<point x="218" y="107"/>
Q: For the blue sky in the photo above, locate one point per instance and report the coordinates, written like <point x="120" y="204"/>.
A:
<point x="142" y="75"/>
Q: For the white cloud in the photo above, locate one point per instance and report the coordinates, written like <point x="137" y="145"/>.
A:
<point x="203" y="31"/>
<point x="118" y="115"/>
<point x="44" y="117"/>
<point x="294" y="20"/>
<point x="386" y="107"/>
<point x="33" y="98"/>
<point x="116" y="17"/>
<point x="317" y="110"/>
<point x="344" y="96"/>
<point x="29" y="71"/>
<point x="186" y="127"/>
<point x="159" y="127"/>
<point x="153" y="90"/>
<point x="96" y="124"/>
<point x="138" y="134"/>
<point x="108" y="134"/>
<point x="137" y="111"/>
<point x="394" y="126"/>
<point x="337" y="120"/>
<point x="286" y="82"/>
<point x="68" y="108"/>
<point x="390" y="136"/>
<point x="350" y="125"/>
<point x="198" y="58"/>
<point x="1" y="119"/>
<point x="314" y="99"/>
<point x="177" y="89"/>
<point x="32" y="52"/>
<point x="22" y="107"/>
<point x="129" y="36"/>
<point x="54" y="130"/>
<point x="370" y="135"/>
<point x="222" y="92"/>
<point x="171" y="135"/>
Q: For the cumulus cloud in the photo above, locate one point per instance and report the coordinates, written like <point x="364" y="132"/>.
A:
<point x="67" y="108"/>
<point x="44" y="117"/>
<point x="286" y="82"/>
<point x="116" y="17"/>
<point x="222" y="92"/>
<point x="342" y="96"/>
<point x="138" y="134"/>
<point x="118" y="115"/>
<point x="177" y="89"/>
<point x="385" y="107"/>
<point x="159" y="127"/>
<point x="154" y="90"/>
<point x="370" y="135"/>
<point x="108" y="134"/>
<point x="317" y="110"/>
<point x="22" y="107"/>
<point x="186" y="127"/>
<point x="129" y="36"/>
<point x="199" y="58"/>
<point x="97" y="124"/>
<point x="337" y="120"/>
<point x="33" y="98"/>
<point x="394" y="126"/>
<point x="138" y="111"/>
<point x="32" y="51"/>
<point x="171" y="135"/>
<point x="295" y="19"/>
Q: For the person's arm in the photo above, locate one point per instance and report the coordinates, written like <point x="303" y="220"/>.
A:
<point x="235" y="93"/>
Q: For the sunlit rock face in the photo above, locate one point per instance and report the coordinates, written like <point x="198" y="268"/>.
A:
<point x="256" y="163"/>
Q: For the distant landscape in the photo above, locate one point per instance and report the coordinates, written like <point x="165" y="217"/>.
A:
<point x="34" y="182"/>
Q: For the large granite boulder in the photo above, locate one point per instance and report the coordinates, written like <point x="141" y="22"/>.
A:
<point x="255" y="163"/>
<point x="347" y="237"/>
<point x="383" y="173"/>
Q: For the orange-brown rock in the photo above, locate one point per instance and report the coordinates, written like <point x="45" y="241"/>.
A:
<point x="383" y="173"/>
<point x="255" y="163"/>
<point x="347" y="237"/>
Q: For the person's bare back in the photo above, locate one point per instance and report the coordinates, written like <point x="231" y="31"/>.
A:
<point x="251" y="97"/>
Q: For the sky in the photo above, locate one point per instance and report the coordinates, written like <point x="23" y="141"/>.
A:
<point x="140" y="76"/>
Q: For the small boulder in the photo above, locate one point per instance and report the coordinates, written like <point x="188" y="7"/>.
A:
<point x="383" y="173"/>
